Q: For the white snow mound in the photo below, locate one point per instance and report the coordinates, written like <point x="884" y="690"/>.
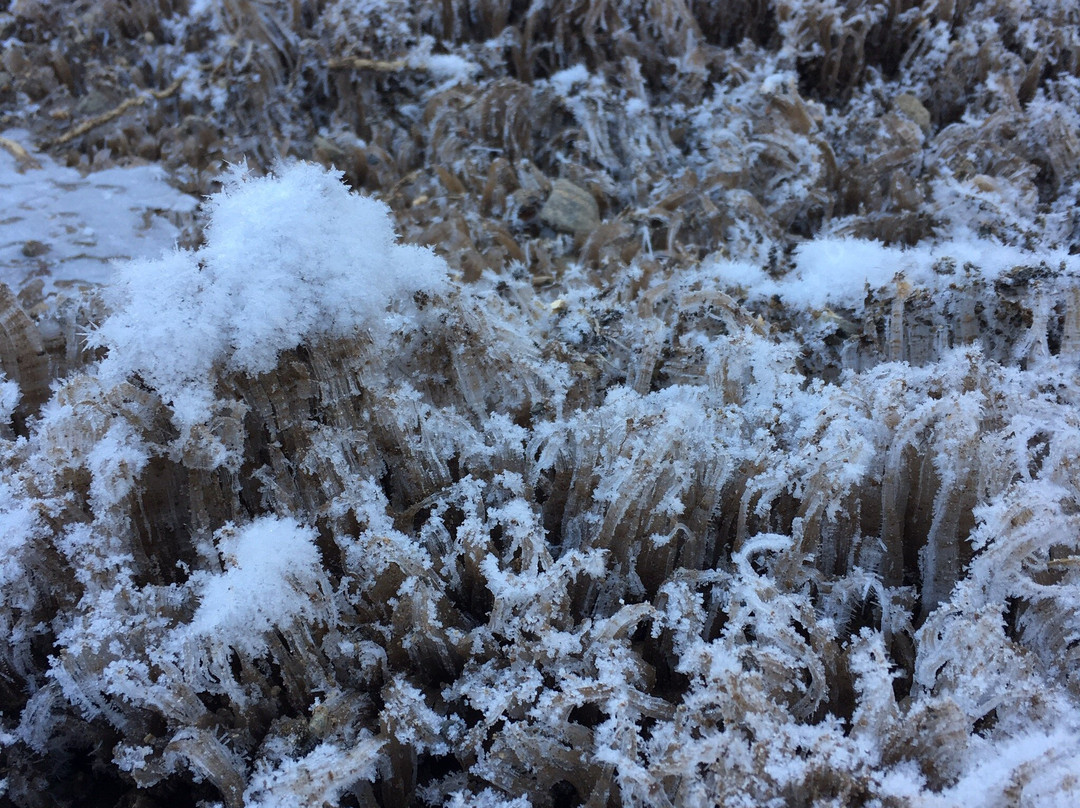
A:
<point x="288" y="258"/>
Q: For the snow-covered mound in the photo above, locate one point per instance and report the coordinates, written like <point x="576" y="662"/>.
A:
<point x="287" y="260"/>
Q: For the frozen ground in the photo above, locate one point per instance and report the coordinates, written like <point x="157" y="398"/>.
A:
<point x="57" y="224"/>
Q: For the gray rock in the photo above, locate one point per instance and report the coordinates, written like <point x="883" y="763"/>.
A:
<point x="570" y="208"/>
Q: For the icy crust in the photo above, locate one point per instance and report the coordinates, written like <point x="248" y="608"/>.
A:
<point x="63" y="226"/>
<point x="430" y="543"/>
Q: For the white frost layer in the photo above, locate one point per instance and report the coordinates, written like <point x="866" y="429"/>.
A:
<point x="271" y="569"/>
<point x="446" y="68"/>
<point x="836" y="271"/>
<point x="86" y="222"/>
<point x="319" y="778"/>
<point x="287" y="258"/>
<point x="1033" y="769"/>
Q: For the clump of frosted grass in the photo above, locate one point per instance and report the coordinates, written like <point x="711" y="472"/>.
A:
<point x="290" y="257"/>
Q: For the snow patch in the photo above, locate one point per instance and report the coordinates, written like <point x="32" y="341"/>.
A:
<point x="53" y="218"/>
<point x="272" y="570"/>
<point x="837" y="271"/>
<point x="563" y="81"/>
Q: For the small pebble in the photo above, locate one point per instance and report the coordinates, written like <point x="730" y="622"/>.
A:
<point x="34" y="248"/>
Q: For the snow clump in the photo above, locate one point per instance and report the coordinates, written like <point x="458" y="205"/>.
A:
<point x="288" y="257"/>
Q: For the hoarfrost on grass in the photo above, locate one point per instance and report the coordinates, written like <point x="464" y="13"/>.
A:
<point x="451" y="550"/>
<point x="287" y="259"/>
<point x="762" y="492"/>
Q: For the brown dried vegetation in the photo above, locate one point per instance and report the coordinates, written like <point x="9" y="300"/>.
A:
<point x="760" y="533"/>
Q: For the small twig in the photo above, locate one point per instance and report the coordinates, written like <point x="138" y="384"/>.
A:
<point x="21" y="155"/>
<point x="115" y="112"/>
<point x="412" y="175"/>
<point x="356" y="63"/>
